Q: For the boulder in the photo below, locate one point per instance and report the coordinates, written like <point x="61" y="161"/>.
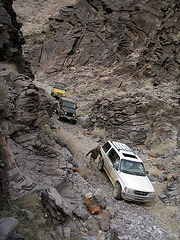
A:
<point x="8" y="227"/>
<point x="81" y="213"/>
<point x="171" y="193"/>
<point x="104" y="221"/>
<point x="55" y="205"/>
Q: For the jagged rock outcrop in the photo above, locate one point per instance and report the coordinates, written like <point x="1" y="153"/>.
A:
<point x="8" y="227"/>
<point x="160" y="58"/>
<point x="30" y="159"/>
<point x="140" y="118"/>
<point x="55" y="205"/>
<point x="141" y="38"/>
<point x="11" y="39"/>
<point x="171" y="193"/>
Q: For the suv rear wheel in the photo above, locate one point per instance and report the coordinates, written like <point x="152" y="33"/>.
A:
<point x="117" y="191"/>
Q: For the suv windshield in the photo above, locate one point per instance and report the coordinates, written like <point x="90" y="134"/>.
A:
<point x="69" y="104"/>
<point x="131" y="167"/>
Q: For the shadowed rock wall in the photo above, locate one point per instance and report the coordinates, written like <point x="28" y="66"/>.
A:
<point x="30" y="159"/>
<point x="11" y="39"/>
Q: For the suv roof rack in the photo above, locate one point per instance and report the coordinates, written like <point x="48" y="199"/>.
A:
<point x="121" y="146"/>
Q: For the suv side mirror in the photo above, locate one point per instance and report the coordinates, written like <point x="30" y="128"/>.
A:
<point x="116" y="165"/>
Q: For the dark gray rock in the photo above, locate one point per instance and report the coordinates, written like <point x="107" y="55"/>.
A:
<point x="104" y="220"/>
<point x="81" y="213"/>
<point x="55" y="205"/>
<point x="12" y="40"/>
<point x="7" y="227"/>
<point x="108" y="32"/>
<point x="171" y="193"/>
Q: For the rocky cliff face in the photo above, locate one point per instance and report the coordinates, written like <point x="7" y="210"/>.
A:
<point x="141" y="38"/>
<point x="131" y="39"/>
<point x="11" y="39"/>
<point x="140" y="118"/>
<point x="29" y="157"/>
<point x="139" y="43"/>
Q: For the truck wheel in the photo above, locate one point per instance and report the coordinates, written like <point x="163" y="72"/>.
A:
<point x="100" y="164"/>
<point x="74" y="122"/>
<point x="117" y="191"/>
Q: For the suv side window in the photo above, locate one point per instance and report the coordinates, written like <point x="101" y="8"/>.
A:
<point x="113" y="156"/>
<point x="106" y="147"/>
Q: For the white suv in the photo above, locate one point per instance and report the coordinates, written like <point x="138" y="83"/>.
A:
<point x="126" y="172"/>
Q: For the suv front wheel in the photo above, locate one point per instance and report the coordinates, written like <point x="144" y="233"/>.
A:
<point x="117" y="191"/>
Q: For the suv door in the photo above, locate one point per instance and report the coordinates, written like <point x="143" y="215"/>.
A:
<point x="114" y="159"/>
<point x="104" y="150"/>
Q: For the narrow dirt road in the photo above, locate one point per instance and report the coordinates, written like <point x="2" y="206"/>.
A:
<point x="79" y="142"/>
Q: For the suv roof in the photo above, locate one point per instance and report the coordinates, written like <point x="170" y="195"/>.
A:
<point x="124" y="151"/>
<point x="121" y="146"/>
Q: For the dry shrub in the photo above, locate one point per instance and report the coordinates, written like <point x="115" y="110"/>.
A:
<point x="172" y="211"/>
<point x="85" y="173"/>
<point x="76" y="148"/>
<point x="46" y="130"/>
<point x="100" y="132"/>
<point x="68" y="140"/>
<point x="9" y="67"/>
<point x="4" y="100"/>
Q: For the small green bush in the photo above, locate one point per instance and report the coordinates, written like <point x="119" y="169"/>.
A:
<point x="4" y="100"/>
<point x="46" y="130"/>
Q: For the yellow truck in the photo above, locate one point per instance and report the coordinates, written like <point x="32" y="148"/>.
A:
<point x="59" y="90"/>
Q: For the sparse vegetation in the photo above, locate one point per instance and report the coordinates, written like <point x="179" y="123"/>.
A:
<point x="71" y="142"/>
<point x="167" y="107"/>
<point x="9" y="67"/>
<point x="46" y="130"/>
<point x="99" y="133"/>
<point x="85" y="124"/>
<point x="133" y="134"/>
<point x="32" y="222"/>
<point x="4" y="100"/>
<point x="112" y="91"/>
<point x="92" y="90"/>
